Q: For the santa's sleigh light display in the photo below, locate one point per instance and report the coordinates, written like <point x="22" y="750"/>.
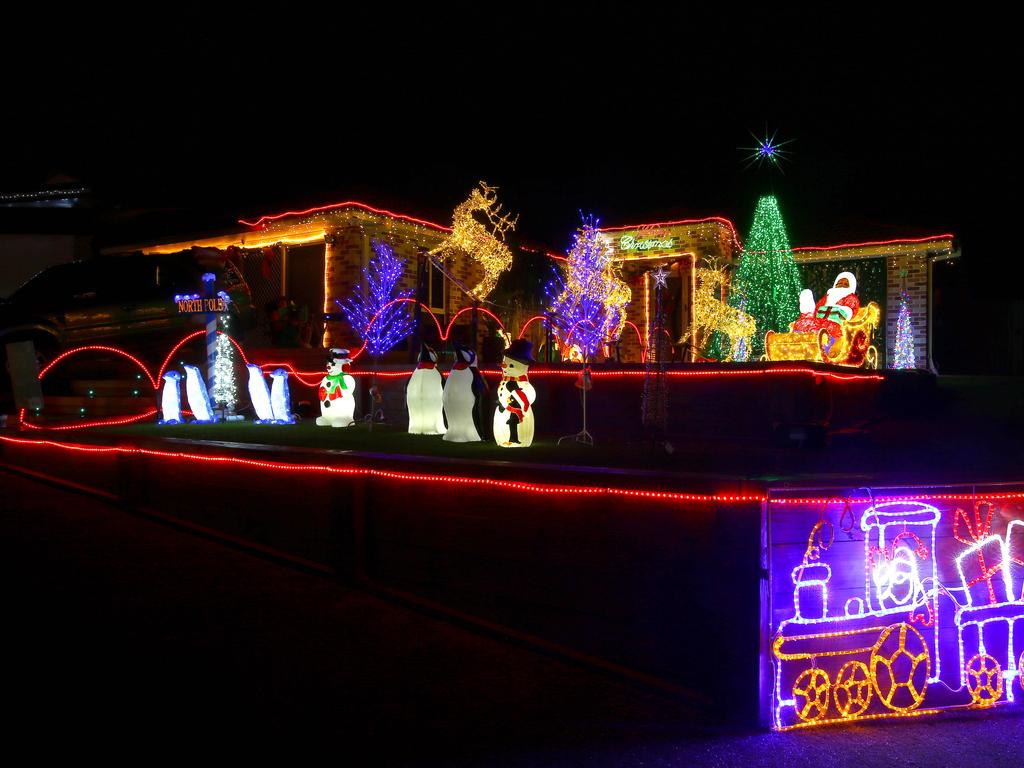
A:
<point x="852" y="347"/>
<point x="836" y="329"/>
<point x="921" y="623"/>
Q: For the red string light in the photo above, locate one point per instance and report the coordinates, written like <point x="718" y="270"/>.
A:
<point x="536" y="488"/>
<point x="263" y="220"/>
<point x="182" y="343"/>
<point x="910" y="497"/>
<point x="113" y="422"/>
<point x="94" y="348"/>
<point x="897" y="241"/>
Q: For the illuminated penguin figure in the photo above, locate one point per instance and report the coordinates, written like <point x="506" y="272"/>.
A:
<point x="170" y="399"/>
<point x="337" y="392"/>
<point x="423" y="396"/>
<point x="513" y="417"/>
<point x="280" y="397"/>
<point x="259" y="395"/>
<point x="198" y="397"/>
<point x="461" y="390"/>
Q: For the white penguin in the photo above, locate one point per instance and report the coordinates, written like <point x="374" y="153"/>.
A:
<point x="198" y="397"/>
<point x="170" y="399"/>
<point x="259" y="395"/>
<point x="460" y="393"/>
<point x="280" y="397"/>
<point x="424" y="398"/>
<point x="513" y="416"/>
<point x="337" y="392"/>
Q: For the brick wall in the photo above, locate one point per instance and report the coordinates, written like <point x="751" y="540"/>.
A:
<point x="908" y="273"/>
<point x="907" y="268"/>
<point x="348" y="250"/>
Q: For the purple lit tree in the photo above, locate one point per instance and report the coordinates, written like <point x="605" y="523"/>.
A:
<point x="587" y="303"/>
<point x="587" y="299"/>
<point x="376" y="311"/>
<point x="904" y="351"/>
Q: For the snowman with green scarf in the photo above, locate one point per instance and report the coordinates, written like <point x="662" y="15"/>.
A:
<point x="337" y="392"/>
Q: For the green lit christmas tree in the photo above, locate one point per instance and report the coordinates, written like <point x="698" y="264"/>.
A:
<point x="767" y="281"/>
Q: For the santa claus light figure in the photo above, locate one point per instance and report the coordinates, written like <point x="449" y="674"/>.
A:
<point x="836" y="306"/>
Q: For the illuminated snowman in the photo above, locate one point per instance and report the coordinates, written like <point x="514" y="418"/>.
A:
<point x="337" y="392"/>
<point x="513" y="417"/>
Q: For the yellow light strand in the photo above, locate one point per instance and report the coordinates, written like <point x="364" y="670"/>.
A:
<point x="711" y="314"/>
<point x="484" y="244"/>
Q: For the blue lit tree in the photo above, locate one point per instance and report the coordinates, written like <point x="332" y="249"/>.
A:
<point x="377" y="314"/>
<point x="377" y="318"/>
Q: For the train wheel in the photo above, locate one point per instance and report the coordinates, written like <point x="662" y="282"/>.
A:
<point x="852" y="690"/>
<point x="810" y="694"/>
<point x="900" y="667"/>
<point x="984" y="680"/>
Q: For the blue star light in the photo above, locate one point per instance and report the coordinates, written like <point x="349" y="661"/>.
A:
<point x="768" y="150"/>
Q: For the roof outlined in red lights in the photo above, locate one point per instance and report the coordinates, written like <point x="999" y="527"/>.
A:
<point x="262" y="221"/>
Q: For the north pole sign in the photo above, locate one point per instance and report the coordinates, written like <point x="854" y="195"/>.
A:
<point x="194" y="304"/>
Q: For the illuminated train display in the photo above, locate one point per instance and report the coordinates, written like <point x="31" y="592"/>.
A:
<point x="907" y="611"/>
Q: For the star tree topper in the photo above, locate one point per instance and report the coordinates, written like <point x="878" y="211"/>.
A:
<point x="768" y="151"/>
<point x="660" y="276"/>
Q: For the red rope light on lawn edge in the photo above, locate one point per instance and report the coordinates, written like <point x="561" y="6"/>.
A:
<point x="400" y="476"/>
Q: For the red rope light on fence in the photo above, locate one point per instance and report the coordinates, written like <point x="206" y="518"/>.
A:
<point x="113" y="422"/>
<point x="534" y="488"/>
<point x="95" y="348"/>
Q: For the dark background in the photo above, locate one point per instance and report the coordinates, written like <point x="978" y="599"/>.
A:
<point x="902" y="124"/>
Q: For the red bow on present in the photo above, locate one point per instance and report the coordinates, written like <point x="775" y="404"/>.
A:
<point x="978" y="529"/>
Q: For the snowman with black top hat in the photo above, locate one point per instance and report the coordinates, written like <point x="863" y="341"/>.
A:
<point x="337" y="392"/>
<point x="514" y="417"/>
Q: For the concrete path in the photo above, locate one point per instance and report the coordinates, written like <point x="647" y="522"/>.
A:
<point x="130" y="640"/>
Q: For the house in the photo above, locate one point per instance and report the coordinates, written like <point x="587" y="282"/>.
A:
<point x="316" y="256"/>
<point x="885" y="269"/>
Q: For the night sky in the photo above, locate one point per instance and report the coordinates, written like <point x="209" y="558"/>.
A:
<point x="900" y="125"/>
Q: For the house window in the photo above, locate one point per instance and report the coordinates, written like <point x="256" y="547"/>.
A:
<point x="435" y="288"/>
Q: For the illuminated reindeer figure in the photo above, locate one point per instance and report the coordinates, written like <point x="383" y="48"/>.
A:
<point x="712" y="314"/>
<point x="482" y="243"/>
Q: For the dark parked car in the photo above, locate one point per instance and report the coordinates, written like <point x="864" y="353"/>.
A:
<point x="124" y="301"/>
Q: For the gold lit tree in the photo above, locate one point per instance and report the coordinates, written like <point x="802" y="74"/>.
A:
<point x="484" y="243"/>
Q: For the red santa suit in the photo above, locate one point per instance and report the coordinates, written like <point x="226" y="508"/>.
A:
<point x="835" y="307"/>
